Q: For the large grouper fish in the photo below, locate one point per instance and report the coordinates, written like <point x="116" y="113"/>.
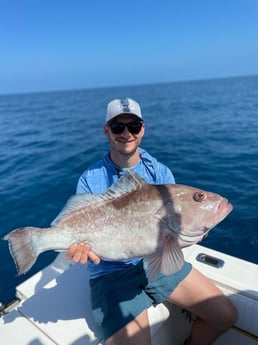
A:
<point x="131" y="219"/>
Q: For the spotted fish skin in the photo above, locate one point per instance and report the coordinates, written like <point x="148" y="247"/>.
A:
<point x="132" y="219"/>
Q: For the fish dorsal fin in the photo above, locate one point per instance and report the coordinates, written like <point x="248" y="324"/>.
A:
<point x="127" y="183"/>
<point x="74" y="203"/>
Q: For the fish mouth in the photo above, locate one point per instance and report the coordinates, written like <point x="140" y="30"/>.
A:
<point x="223" y="209"/>
<point x="225" y="206"/>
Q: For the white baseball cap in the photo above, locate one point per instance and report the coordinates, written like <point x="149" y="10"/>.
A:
<point x="122" y="106"/>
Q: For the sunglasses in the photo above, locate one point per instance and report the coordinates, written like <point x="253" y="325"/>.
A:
<point x="133" y="127"/>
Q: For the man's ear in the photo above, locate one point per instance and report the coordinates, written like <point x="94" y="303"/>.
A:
<point x="105" y="130"/>
<point x="143" y="130"/>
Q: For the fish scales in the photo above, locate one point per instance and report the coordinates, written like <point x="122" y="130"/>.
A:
<point x="132" y="219"/>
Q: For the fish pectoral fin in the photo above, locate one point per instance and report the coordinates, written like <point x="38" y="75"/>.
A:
<point x="173" y="257"/>
<point x="167" y="261"/>
<point x="152" y="266"/>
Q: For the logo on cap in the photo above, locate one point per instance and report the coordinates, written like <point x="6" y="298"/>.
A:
<point x="125" y="105"/>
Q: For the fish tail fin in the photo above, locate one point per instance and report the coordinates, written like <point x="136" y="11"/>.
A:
<point x="23" y="248"/>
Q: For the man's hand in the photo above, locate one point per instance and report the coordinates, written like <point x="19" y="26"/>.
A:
<point x="81" y="252"/>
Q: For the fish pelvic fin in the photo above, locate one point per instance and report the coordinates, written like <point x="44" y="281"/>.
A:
<point x="169" y="261"/>
<point x="23" y="248"/>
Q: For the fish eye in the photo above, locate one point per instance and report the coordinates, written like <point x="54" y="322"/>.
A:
<point x="199" y="196"/>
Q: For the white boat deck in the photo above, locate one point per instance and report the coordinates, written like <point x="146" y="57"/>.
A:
<point x="55" y="308"/>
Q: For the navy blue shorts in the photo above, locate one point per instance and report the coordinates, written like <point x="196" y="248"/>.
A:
<point x="119" y="297"/>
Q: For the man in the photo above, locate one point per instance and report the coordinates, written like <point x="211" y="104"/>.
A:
<point x="120" y="291"/>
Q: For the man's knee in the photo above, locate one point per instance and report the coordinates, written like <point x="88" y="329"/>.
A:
<point x="228" y="318"/>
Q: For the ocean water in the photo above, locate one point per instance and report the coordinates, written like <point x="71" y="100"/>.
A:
<point x="205" y="131"/>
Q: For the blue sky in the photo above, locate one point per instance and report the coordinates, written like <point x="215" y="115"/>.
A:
<point x="59" y="44"/>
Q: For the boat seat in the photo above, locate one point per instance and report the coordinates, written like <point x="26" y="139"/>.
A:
<point x="61" y="313"/>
